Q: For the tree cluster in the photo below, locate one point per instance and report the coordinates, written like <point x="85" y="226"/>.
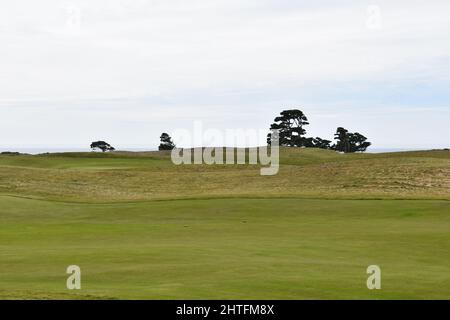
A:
<point x="350" y="142"/>
<point x="291" y="130"/>
<point x="290" y="125"/>
<point x="102" y="145"/>
<point x="166" y="142"/>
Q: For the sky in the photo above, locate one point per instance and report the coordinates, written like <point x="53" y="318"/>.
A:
<point x="124" y="71"/>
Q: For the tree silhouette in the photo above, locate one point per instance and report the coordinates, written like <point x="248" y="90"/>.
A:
<point x="290" y="128"/>
<point x="350" y="142"/>
<point x="321" y="143"/>
<point x="343" y="143"/>
<point x="290" y="125"/>
<point x="358" y="142"/>
<point x="102" y="145"/>
<point x="166" y="142"/>
<point x="304" y="142"/>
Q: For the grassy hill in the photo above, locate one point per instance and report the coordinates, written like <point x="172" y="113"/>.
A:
<point x="141" y="227"/>
<point x="304" y="173"/>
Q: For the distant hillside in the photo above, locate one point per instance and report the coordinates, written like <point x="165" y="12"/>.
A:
<point x="305" y="173"/>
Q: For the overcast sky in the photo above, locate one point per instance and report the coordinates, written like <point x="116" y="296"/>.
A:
<point x="125" y="70"/>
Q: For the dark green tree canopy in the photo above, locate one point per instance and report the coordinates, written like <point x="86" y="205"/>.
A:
<point x="166" y="142"/>
<point x="342" y="140"/>
<point x="290" y="125"/>
<point x="350" y="142"/>
<point x="321" y="143"/>
<point x="102" y="145"/>
<point x="358" y="142"/>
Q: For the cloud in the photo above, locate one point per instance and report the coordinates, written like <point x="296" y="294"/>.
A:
<point x="167" y="60"/>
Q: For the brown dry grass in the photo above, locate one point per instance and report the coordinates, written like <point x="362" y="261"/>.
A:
<point x="303" y="173"/>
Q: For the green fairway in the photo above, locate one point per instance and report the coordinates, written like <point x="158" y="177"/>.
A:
<point x="140" y="227"/>
<point x="237" y="248"/>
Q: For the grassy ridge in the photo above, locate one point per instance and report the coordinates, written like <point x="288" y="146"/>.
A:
<point x="92" y="177"/>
